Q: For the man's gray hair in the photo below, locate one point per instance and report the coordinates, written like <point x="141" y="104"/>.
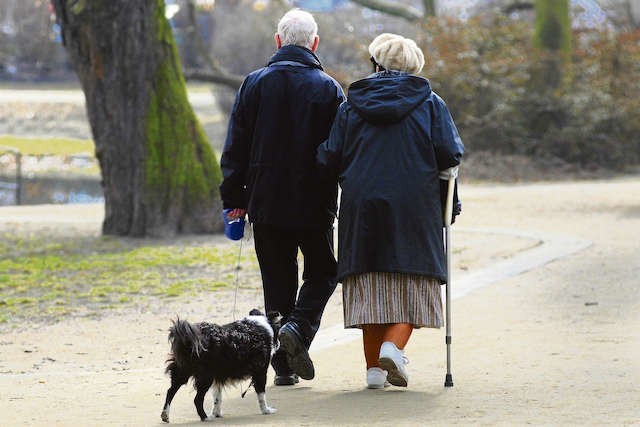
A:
<point x="298" y="27"/>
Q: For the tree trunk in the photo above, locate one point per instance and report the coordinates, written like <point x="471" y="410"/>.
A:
<point x="634" y="13"/>
<point x="553" y="26"/>
<point x="159" y="174"/>
<point x="430" y="8"/>
<point x="552" y="38"/>
<point x="551" y="69"/>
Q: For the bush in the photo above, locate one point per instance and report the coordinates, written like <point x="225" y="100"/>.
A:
<point x="487" y="75"/>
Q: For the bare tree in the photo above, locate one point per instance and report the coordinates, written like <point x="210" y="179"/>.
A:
<point x="627" y="12"/>
<point x="215" y="73"/>
<point x="401" y="10"/>
<point x="159" y="174"/>
<point x="395" y="8"/>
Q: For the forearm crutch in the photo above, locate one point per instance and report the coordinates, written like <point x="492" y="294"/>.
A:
<point x="451" y="175"/>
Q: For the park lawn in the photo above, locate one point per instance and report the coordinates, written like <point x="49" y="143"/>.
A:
<point x="57" y="146"/>
<point x="46" y="277"/>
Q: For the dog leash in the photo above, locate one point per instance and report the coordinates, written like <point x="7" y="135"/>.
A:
<point x="237" y="282"/>
<point x="243" y="393"/>
<point x="237" y="279"/>
<point x="235" y="301"/>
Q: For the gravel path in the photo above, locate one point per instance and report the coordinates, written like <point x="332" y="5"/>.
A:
<point x="556" y="343"/>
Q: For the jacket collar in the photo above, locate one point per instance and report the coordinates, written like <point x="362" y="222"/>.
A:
<point x="388" y="73"/>
<point x="298" y="54"/>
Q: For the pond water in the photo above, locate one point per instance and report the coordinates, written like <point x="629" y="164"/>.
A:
<point x="51" y="190"/>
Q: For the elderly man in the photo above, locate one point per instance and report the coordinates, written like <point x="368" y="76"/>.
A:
<point x="281" y="114"/>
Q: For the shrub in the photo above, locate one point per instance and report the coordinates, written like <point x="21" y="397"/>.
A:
<point x="485" y="73"/>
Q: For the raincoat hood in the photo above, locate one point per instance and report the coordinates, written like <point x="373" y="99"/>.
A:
<point x="388" y="97"/>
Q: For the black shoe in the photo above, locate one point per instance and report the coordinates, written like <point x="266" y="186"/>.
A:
<point x="286" y="379"/>
<point x="292" y="343"/>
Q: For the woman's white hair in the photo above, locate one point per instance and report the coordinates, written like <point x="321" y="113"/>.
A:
<point x="298" y="27"/>
<point x="395" y="52"/>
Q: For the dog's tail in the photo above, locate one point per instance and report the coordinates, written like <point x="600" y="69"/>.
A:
<point x="186" y="342"/>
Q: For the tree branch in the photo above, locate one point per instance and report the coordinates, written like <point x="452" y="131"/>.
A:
<point x="231" y="80"/>
<point x="516" y="5"/>
<point x="393" y="8"/>
<point x="216" y="73"/>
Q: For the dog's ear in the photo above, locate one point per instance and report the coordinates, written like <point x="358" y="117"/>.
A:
<point x="274" y="317"/>
<point x="255" y="312"/>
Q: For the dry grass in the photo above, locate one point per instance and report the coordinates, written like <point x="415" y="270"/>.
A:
<point x="37" y="146"/>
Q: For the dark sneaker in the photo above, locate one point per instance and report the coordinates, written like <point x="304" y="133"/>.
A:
<point x="284" y="374"/>
<point x="292" y="343"/>
<point x="286" y="379"/>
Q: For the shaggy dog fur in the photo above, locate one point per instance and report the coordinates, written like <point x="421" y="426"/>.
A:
<point x="217" y="356"/>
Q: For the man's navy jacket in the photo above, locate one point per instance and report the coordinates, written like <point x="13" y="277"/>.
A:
<point x="281" y="114"/>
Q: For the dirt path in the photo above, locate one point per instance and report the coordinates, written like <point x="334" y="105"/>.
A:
<point x="557" y="344"/>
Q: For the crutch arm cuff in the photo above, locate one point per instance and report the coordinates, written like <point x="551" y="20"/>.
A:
<point x="449" y="173"/>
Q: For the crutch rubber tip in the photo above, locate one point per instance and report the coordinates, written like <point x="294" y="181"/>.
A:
<point x="448" y="380"/>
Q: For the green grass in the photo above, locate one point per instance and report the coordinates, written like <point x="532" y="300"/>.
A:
<point x="48" y="277"/>
<point x="58" y="146"/>
<point x="72" y="85"/>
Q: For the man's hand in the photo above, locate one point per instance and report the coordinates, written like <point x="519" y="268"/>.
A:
<point x="237" y="213"/>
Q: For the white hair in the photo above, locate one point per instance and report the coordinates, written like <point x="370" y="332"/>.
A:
<point x="298" y="27"/>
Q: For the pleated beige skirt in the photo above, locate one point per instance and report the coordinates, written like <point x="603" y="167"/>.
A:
<point x="378" y="298"/>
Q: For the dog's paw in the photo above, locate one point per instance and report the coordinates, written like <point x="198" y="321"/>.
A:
<point x="268" y="410"/>
<point x="165" y="416"/>
<point x="214" y="415"/>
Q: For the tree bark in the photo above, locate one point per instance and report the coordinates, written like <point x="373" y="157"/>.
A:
<point x="159" y="174"/>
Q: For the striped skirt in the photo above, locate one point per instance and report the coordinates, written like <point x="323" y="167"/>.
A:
<point x="376" y="298"/>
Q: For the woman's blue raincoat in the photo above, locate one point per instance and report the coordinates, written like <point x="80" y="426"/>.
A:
<point x="387" y="146"/>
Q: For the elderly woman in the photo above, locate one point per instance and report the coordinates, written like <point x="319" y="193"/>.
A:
<point x="388" y="145"/>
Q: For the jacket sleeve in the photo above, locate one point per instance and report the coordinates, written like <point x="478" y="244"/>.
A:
<point x="328" y="159"/>
<point x="329" y="153"/>
<point x="444" y="135"/>
<point x="234" y="161"/>
<point x="457" y="203"/>
<point x="340" y="98"/>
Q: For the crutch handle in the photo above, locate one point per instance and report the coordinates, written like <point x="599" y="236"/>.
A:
<point x="450" y="174"/>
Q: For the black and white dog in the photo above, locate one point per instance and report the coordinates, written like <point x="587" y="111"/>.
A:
<point x="217" y="356"/>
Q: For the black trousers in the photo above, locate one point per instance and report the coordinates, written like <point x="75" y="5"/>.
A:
<point x="277" y="252"/>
